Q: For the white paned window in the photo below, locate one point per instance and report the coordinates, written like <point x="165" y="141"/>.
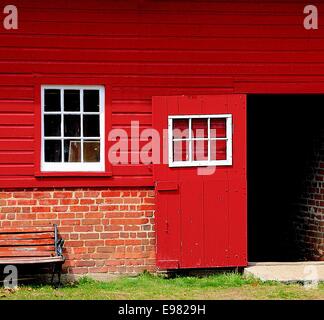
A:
<point x="200" y="140"/>
<point x="73" y="129"/>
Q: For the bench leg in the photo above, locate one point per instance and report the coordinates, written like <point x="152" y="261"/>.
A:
<point x="57" y="268"/>
<point x="59" y="271"/>
<point x="53" y="272"/>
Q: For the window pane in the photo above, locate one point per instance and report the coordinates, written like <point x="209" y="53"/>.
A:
<point x="180" y="150"/>
<point x="91" y="100"/>
<point x="91" y="151"/>
<point x="72" y="125"/>
<point x="72" y="151"/>
<point x="53" y="151"/>
<point x="52" y="100"/>
<point x="199" y="128"/>
<point x="71" y="100"/>
<point x="52" y="125"/>
<point x="218" y="150"/>
<point x="91" y="126"/>
<point x="180" y="128"/>
<point x="200" y="150"/>
<point x="218" y="128"/>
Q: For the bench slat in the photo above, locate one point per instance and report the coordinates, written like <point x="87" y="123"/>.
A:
<point x="26" y="230"/>
<point x="17" y="236"/>
<point x="27" y="254"/>
<point x="26" y="248"/>
<point x="28" y="245"/>
<point x="30" y="260"/>
<point x="26" y="242"/>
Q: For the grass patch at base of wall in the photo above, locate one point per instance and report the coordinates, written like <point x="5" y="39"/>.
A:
<point x="220" y="286"/>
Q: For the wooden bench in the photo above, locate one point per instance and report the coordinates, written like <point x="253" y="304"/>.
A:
<point x="32" y="245"/>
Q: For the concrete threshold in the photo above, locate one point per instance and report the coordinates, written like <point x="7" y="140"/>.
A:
<point x="301" y="271"/>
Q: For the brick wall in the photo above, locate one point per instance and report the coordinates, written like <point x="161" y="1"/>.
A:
<point x="107" y="231"/>
<point x="309" y="224"/>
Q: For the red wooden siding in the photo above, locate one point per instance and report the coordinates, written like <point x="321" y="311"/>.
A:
<point x="144" y="48"/>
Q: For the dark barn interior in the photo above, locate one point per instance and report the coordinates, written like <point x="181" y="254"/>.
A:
<point x="285" y="144"/>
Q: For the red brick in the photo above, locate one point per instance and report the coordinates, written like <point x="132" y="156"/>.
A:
<point x="93" y="215"/>
<point x="100" y="227"/>
<point x="98" y="270"/>
<point x="71" y="222"/>
<point x="10" y="209"/>
<point x="87" y="236"/>
<point x="87" y="201"/>
<point x="46" y="216"/>
<point x="63" y="194"/>
<point x="113" y="228"/>
<point x="132" y="200"/>
<point x="108" y="208"/>
<point x="106" y="249"/>
<point x="129" y="221"/>
<point x="114" y="242"/>
<point x="94" y="243"/>
<point x="25" y="216"/>
<point x="149" y="200"/>
<point x="146" y="207"/>
<point x="22" y="195"/>
<point x="72" y="243"/>
<point x="79" y="208"/>
<point x="109" y="194"/>
<point x="90" y="221"/>
<point x="79" y="270"/>
<point x="5" y="195"/>
<point x="91" y="194"/>
<point x="42" y="195"/>
<point x="69" y="201"/>
<point x="114" y="214"/>
<point x="41" y="209"/>
<point x="26" y="202"/>
<point x="83" y="228"/>
<point x="60" y="208"/>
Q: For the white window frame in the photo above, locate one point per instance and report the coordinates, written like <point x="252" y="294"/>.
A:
<point x="201" y="163"/>
<point x="74" y="166"/>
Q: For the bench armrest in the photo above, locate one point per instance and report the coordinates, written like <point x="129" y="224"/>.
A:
<point x="58" y="243"/>
<point x="59" y="247"/>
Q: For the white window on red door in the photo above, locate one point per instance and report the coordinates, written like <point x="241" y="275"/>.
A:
<point x="200" y="140"/>
<point x="72" y="129"/>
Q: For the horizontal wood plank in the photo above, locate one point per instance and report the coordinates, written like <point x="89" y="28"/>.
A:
<point x="30" y="260"/>
<point x="26" y="242"/>
<point x="48" y="236"/>
<point x="26" y="253"/>
<point x="26" y="230"/>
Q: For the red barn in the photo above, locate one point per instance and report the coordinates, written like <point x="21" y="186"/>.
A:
<point x="164" y="134"/>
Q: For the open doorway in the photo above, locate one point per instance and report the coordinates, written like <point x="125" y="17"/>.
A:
<point x="285" y="171"/>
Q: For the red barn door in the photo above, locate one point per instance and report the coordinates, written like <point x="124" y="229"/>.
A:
<point x="201" y="185"/>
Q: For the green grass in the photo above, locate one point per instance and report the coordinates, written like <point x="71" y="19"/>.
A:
<point x="146" y="286"/>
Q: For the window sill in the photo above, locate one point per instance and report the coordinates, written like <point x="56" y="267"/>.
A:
<point x="72" y="174"/>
